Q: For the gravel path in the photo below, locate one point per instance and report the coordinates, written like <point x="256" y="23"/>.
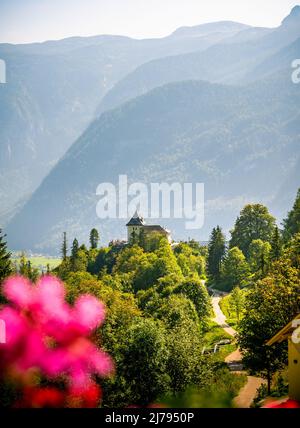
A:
<point x="248" y="392"/>
<point x="220" y="317"/>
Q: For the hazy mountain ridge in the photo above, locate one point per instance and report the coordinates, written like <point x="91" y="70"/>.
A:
<point x="228" y="62"/>
<point x="52" y="91"/>
<point x="230" y="138"/>
<point x="242" y="141"/>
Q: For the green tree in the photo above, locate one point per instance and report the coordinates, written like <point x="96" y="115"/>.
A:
<point x="292" y="222"/>
<point x="193" y="289"/>
<point x="94" y="238"/>
<point x="5" y="255"/>
<point x="190" y="260"/>
<point x="103" y="259"/>
<point x="166" y="262"/>
<point x="175" y="309"/>
<point x="259" y="257"/>
<point x="237" y="302"/>
<point x="276" y="245"/>
<point x="255" y="222"/>
<point x="147" y="268"/>
<point x="144" y="365"/>
<point x="23" y="265"/>
<point x="235" y="270"/>
<point x="137" y="264"/>
<point x="271" y="304"/>
<point x="216" y="253"/>
<point x="151" y="241"/>
<point x="64" y="247"/>
<point x="80" y="262"/>
<point x="134" y="238"/>
<point x="143" y="240"/>
<point x="197" y="248"/>
<point x="63" y="270"/>
<point x="185" y="366"/>
<point x="264" y="317"/>
<point x="26" y="269"/>
<point x="32" y="272"/>
<point x="75" y="249"/>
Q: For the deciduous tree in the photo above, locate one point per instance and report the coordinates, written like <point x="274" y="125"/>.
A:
<point x="255" y="222"/>
<point x="235" y="270"/>
<point x="259" y="257"/>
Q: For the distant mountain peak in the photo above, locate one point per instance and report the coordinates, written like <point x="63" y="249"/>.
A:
<point x="295" y="11"/>
<point x="293" y="17"/>
<point x="204" y="29"/>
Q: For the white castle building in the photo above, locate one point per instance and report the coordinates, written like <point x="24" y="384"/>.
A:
<point x="137" y="224"/>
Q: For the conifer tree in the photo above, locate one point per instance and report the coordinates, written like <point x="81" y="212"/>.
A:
<point x="64" y="247"/>
<point x="292" y="222"/>
<point x="216" y="253"/>
<point x="276" y="245"/>
<point x="75" y="248"/>
<point x="26" y="269"/>
<point x="5" y="263"/>
<point x="94" y="238"/>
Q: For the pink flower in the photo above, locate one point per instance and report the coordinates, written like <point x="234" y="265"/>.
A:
<point x="89" y="312"/>
<point x="16" y="327"/>
<point x="46" y="334"/>
<point x="19" y="291"/>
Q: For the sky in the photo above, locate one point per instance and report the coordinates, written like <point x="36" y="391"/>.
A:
<point x="26" y="21"/>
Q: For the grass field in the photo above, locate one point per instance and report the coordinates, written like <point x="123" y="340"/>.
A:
<point x="214" y="335"/>
<point x="40" y="262"/>
<point x="43" y="261"/>
<point x="229" y="312"/>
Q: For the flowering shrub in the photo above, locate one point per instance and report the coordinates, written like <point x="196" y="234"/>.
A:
<point x="47" y="339"/>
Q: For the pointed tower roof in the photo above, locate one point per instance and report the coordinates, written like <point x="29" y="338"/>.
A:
<point x="137" y="220"/>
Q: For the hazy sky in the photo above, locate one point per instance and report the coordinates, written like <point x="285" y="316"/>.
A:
<point x="23" y="21"/>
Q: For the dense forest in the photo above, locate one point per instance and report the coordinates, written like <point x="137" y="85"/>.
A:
<point x="159" y="314"/>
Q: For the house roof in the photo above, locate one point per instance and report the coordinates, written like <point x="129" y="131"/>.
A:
<point x="284" y="333"/>
<point x="155" y="228"/>
<point x="137" y="220"/>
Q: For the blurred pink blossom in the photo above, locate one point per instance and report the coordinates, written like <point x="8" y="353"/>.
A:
<point x="44" y="334"/>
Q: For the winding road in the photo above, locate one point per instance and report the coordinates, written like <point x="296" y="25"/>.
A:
<point x="220" y="317"/>
<point x="248" y="392"/>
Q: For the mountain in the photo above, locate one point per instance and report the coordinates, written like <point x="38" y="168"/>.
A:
<point x="293" y="17"/>
<point x="239" y="141"/>
<point x="221" y="27"/>
<point x="52" y="92"/>
<point x="280" y="61"/>
<point x="230" y="61"/>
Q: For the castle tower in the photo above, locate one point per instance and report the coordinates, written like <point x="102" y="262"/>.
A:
<point x="134" y="226"/>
